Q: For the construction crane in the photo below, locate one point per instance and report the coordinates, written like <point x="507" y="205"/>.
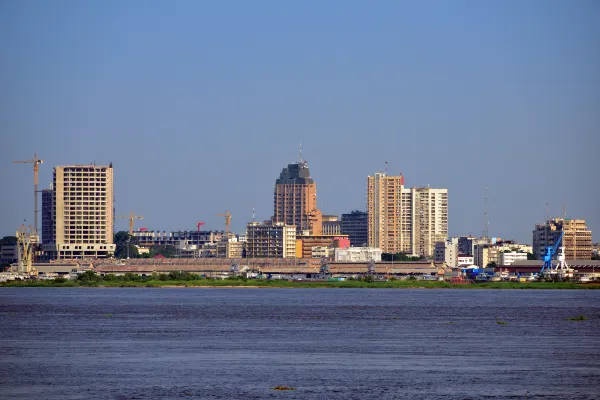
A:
<point x="36" y="165"/>
<point x="227" y="216"/>
<point x="27" y="239"/>
<point x="562" y="269"/>
<point x="199" y="225"/>
<point x="131" y="218"/>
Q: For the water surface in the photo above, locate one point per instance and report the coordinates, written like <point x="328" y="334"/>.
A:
<point x="138" y="343"/>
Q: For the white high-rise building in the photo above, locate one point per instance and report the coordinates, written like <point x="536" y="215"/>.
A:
<point x="402" y="220"/>
<point x="81" y="210"/>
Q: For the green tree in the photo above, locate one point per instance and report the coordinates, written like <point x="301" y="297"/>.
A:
<point x="165" y="251"/>
<point x="125" y="245"/>
<point x="89" y="277"/>
<point x="492" y="264"/>
<point x="530" y="256"/>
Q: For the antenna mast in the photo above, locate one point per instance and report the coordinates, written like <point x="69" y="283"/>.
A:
<point x="386" y="165"/>
<point x="301" y="161"/>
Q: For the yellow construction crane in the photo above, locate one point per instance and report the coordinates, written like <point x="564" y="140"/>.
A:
<point x="36" y="165"/>
<point x="227" y="216"/>
<point x="131" y="217"/>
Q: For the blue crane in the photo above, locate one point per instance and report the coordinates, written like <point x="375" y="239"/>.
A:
<point x="550" y="252"/>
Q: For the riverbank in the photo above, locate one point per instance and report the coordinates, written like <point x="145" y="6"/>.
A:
<point x="230" y="283"/>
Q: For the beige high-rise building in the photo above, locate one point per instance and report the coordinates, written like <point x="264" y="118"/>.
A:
<point x="82" y="212"/>
<point x="402" y="220"/>
<point x="295" y="199"/>
<point x="577" y="239"/>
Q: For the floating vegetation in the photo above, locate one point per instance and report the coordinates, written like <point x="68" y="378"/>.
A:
<point x="283" y="388"/>
<point x="501" y="322"/>
<point x="448" y="323"/>
<point x="107" y="315"/>
<point x="578" y="318"/>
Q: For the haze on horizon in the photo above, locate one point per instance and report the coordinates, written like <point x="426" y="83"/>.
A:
<point x="199" y="105"/>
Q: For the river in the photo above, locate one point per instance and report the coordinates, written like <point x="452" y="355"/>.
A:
<point x="141" y="343"/>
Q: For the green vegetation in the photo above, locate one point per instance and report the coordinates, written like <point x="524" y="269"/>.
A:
<point x="283" y="388"/>
<point x="400" y="257"/>
<point x="578" y="318"/>
<point x="183" y="279"/>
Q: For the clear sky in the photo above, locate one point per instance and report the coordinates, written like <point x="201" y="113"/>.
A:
<point x="199" y="105"/>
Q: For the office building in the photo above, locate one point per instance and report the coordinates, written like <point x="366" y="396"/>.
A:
<point x="402" y="220"/>
<point x="577" y="238"/>
<point x="79" y="212"/>
<point x="295" y="200"/>
<point x="356" y="226"/>
<point x="447" y="252"/>
<point x="332" y="225"/>
<point x="270" y="240"/>
<point x="507" y="258"/>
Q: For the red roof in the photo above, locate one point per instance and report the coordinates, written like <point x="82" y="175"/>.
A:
<point x="159" y="256"/>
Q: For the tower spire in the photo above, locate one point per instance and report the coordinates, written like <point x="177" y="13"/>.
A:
<point x="301" y="160"/>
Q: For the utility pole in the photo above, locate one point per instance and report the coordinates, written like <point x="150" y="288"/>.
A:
<point x="485" y="214"/>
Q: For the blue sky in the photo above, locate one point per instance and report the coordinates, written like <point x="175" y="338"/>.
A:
<point x="199" y="105"/>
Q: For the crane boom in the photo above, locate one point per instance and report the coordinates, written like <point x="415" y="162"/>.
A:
<point x="227" y="216"/>
<point x="36" y="165"/>
<point x="131" y="218"/>
<point x="550" y="252"/>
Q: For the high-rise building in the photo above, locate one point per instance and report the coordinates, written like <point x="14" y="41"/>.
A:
<point x="270" y="240"/>
<point x="402" y="220"/>
<point x="356" y="226"/>
<point x="295" y="199"/>
<point x="577" y="238"/>
<point x="82" y="213"/>
<point x="332" y="225"/>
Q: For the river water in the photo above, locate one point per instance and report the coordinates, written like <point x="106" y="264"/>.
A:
<point x="138" y="343"/>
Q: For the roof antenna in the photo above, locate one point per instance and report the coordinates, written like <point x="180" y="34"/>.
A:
<point x="386" y="163"/>
<point x="301" y="161"/>
<point x="253" y="215"/>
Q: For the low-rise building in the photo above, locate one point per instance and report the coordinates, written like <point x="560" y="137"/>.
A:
<point x="507" y="258"/>
<point x="464" y="259"/>
<point x="322" y="252"/>
<point x="305" y="243"/>
<point x="8" y="254"/>
<point x="358" y="254"/>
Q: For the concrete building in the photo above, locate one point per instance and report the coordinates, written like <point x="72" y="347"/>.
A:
<point x="270" y="240"/>
<point x="485" y="254"/>
<point x="466" y="244"/>
<point x="447" y="252"/>
<point x="295" y="199"/>
<point x="358" y="254"/>
<point x="402" y="220"/>
<point x="322" y="252"/>
<point x="507" y="258"/>
<point x="464" y="259"/>
<point x="148" y="238"/>
<point x="9" y="254"/>
<point x="332" y="225"/>
<point x="306" y="243"/>
<point x="80" y="212"/>
<point x="577" y="238"/>
<point x="356" y="226"/>
<point x="231" y="248"/>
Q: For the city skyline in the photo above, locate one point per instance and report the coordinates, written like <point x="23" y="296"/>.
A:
<point x="199" y="115"/>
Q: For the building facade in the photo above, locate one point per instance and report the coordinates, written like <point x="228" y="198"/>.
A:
<point x="270" y="240"/>
<point x="507" y="258"/>
<point x="464" y="259"/>
<point x="82" y="215"/>
<point x="47" y="216"/>
<point x="356" y="226"/>
<point x="295" y="200"/>
<point x="402" y="220"/>
<point x="332" y="225"/>
<point x="358" y="254"/>
<point x="306" y="243"/>
<point x="577" y="239"/>
<point x="447" y="252"/>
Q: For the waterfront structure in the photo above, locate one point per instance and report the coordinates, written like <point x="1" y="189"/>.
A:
<point x="295" y="200"/>
<point x="356" y="225"/>
<point x="78" y="212"/>
<point x="270" y="240"/>
<point x="577" y="238"/>
<point x="332" y="225"/>
<point x="447" y="252"/>
<point x="507" y="258"/>
<point x="358" y="254"/>
<point x="402" y="220"/>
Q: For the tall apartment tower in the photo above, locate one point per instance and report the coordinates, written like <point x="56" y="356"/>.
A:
<point x="402" y="220"/>
<point x="577" y="238"/>
<point x="81" y="215"/>
<point x="295" y="199"/>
